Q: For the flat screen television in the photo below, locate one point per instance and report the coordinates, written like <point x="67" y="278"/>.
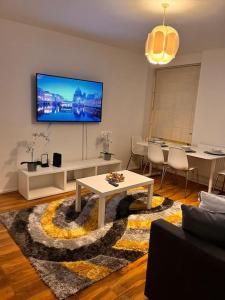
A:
<point x="63" y="99"/>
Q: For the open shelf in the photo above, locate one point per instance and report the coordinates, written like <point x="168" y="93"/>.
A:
<point x="70" y="186"/>
<point x="52" y="181"/>
<point x="108" y="168"/>
<point x="42" y="192"/>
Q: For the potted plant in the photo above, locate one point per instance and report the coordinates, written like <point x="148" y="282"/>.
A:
<point x="106" y="141"/>
<point x="30" y="148"/>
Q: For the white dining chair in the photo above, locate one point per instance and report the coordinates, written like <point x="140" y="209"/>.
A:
<point x="177" y="160"/>
<point x="156" y="157"/>
<point x="220" y="174"/>
<point x="137" y="150"/>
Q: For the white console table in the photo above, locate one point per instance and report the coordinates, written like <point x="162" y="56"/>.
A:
<point x="52" y="180"/>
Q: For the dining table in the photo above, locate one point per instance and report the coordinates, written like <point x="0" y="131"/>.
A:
<point x="199" y="153"/>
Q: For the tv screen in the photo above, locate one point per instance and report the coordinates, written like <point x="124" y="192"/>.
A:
<point x="62" y="99"/>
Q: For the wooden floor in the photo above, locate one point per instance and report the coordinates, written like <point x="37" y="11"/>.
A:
<point x="18" y="280"/>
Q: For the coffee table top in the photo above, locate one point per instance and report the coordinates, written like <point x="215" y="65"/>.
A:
<point x="100" y="185"/>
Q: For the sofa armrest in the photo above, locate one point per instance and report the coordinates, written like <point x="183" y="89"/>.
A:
<point x="182" y="266"/>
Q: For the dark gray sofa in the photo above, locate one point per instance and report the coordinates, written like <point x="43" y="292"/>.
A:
<point x="182" y="266"/>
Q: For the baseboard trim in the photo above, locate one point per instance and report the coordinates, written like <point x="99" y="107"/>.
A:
<point x="5" y="191"/>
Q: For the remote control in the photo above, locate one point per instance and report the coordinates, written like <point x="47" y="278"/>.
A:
<point x="113" y="183"/>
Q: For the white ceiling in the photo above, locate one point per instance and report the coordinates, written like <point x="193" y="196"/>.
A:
<point x="125" y="23"/>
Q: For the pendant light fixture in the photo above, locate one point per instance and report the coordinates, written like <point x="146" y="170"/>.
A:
<point x="162" y="43"/>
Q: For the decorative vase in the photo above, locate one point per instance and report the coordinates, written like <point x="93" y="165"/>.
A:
<point x="107" y="155"/>
<point x="31" y="165"/>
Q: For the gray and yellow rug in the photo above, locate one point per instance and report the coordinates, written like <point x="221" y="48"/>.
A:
<point x="68" y="250"/>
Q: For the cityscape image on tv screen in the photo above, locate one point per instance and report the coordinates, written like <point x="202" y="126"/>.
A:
<point x="61" y="99"/>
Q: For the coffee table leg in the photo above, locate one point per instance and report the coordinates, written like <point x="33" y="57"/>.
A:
<point x="78" y="198"/>
<point x="149" y="197"/>
<point x="124" y="194"/>
<point x="101" y="212"/>
<point x="212" y="171"/>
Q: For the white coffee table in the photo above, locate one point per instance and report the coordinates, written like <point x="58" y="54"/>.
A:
<point x="101" y="187"/>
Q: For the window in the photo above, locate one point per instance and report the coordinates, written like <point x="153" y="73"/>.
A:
<point x="174" y="102"/>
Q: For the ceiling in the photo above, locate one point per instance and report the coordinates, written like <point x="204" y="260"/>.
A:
<point x="125" y="23"/>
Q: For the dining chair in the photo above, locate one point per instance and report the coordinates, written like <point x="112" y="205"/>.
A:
<point x="219" y="174"/>
<point x="155" y="156"/>
<point x="177" y="160"/>
<point x="137" y="150"/>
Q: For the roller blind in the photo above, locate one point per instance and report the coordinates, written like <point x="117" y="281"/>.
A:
<point x="174" y="102"/>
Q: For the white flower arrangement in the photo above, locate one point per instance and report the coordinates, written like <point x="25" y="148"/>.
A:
<point x="30" y="145"/>
<point x="106" y="140"/>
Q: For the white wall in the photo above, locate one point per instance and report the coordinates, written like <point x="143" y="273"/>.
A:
<point x="209" y="121"/>
<point x="26" y="50"/>
<point x="148" y="100"/>
<point x="187" y="59"/>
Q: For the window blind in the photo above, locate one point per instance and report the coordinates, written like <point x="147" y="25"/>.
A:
<point x="174" y="102"/>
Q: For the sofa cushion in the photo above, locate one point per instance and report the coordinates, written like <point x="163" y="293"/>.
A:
<point x="209" y="226"/>
<point x="211" y="202"/>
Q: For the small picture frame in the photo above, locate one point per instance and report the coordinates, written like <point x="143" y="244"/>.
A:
<point x="44" y="160"/>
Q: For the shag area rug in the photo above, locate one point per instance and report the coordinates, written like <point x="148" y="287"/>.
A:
<point x="68" y="250"/>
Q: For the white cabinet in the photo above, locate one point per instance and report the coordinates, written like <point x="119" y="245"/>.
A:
<point x="52" y="180"/>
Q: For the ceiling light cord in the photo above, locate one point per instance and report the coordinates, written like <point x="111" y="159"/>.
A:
<point x="164" y="16"/>
<point x="165" y="6"/>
